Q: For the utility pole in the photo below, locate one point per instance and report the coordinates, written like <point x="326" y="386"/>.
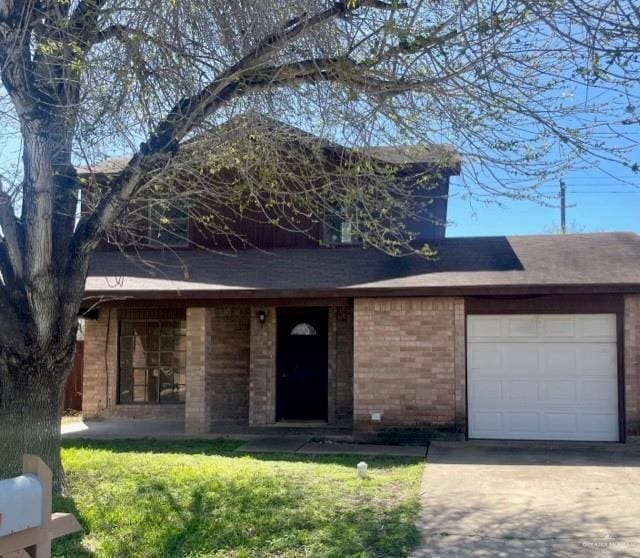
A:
<point x="563" y="207"/>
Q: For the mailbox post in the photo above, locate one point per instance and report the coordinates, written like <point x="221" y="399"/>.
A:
<point x="26" y="521"/>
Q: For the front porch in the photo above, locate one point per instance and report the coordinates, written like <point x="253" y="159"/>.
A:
<point x="224" y="368"/>
<point x="381" y="369"/>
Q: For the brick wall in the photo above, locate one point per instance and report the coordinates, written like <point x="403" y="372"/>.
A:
<point x="99" y="378"/>
<point x="460" y="362"/>
<point x="262" y="367"/>
<point x="632" y="363"/>
<point x="197" y="413"/>
<point x="230" y="363"/>
<point x="344" y="364"/>
<point x="406" y="366"/>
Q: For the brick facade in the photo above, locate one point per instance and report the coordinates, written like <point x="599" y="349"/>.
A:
<point x="197" y="416"/>
<point x="344" y="364"/>
<point x="632" y="363"/>
<point x="262" y="368"/>
<point x="408" y="364"/>
<point x="99" y="376"/>
<point x="230" y="363"/>
<point x="401" y="357"/>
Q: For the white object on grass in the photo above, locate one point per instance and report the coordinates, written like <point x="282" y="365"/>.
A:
<point x="362" y="470"/>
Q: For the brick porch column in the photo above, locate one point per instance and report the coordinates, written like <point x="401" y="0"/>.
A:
<point x="199" y="342"/>
<point x="262" y="367"/>
<point x="632" y="363"/>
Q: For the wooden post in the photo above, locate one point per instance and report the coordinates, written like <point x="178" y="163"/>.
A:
<point x="36" y="541"/>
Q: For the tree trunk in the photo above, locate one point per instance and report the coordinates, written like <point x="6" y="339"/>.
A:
<point x="31" y="414"/>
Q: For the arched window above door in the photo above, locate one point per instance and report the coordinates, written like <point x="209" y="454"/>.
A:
<point x="303" y="328"/>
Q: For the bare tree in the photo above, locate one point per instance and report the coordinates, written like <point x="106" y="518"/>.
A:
<point x="505" y="81"/>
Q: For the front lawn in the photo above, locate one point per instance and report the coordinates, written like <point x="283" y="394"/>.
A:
<point x="196" y="499"/>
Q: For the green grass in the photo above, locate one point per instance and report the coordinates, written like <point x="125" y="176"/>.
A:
<point x="196" y="499"/>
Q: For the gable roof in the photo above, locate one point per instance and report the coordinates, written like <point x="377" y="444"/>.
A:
<point x="603" y="262"/>
<point x="444" y="156"/>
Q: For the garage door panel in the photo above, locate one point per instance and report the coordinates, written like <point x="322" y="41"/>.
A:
<point x="598" y="358"/>
<point x="560" y="386"/>
<point x="524" y="423"/>
<point x="488" y="424"/>
<point x="485" y="357"/>
<point x="520" y="357"/>
<point x="520" y="326"/>
<point x="489" y="389"/>
<point x="596" y="327"/>
<point x="602" y="423"/>
<point x="485" y="326"/>
<point x="558" y="327"/>
<point x="600" y="391"/>
<point x="561" y="358"/>
<point x="560" y="423"/>
<point x="522" y="391"/>
<point x="554" y="391"/>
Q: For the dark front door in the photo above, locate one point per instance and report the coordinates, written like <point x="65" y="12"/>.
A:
<point x="301" y="385"/>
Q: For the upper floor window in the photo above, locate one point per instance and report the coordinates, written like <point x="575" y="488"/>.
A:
<point x="337" y="230"/>
<point x="152" y="362"/>
<point x="168" y="224"/>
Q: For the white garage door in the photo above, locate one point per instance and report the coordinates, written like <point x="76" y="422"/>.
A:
<point x="542" y="377"/>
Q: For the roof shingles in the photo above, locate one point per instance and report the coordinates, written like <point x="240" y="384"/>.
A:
<point x="609" y="261"/>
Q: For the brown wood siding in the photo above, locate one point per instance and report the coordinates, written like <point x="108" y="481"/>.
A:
<point x="257" y="232"/>
<point x="550" y="304"/>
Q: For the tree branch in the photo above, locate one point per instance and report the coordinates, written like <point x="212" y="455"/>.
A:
<point x="12" y="233"/>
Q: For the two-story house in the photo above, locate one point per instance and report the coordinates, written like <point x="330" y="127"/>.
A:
<point x="499" y="337"/>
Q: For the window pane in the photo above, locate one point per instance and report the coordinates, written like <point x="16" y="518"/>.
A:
<point x="304" y="329"/>
<point x="180" y="359"/>
<point x="166" y="358"/>
<point x="126" y="384"/>
<point x="167" y="328"/>
<point x="147" y="374"/>
<point x="167" y="343"/>
<point x="153" y="344"/>
<point x="153" y="378"/>
<point x="139" y="355"/>
<point x="126" y="344"/>
<point x="139" y="394"/>
<point x="168" y="390"/>
<point x="181" y="343"/>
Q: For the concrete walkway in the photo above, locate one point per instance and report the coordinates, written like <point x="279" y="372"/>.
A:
<point x="533" y="500"/>
<point x="278" y="439"/>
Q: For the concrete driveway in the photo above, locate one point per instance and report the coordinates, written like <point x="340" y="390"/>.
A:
<point x="531" y="499"/>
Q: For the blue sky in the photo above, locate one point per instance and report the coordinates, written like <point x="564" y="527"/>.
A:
<point x="596" y="203"/>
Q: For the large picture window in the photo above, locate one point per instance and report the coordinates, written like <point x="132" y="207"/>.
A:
<point x="153" y="361"/>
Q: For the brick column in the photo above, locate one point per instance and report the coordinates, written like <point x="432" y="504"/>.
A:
<point x="99" y="377"/>
<point x="344" y="364"/>
<point x="460" y="363"/>
<point x="262" y="367"/>
<point x="632" y="363"/>
<point x="199" y="340"/>
<point x="332" y="365"/>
